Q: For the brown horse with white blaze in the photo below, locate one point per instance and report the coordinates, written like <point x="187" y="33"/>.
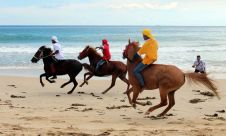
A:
<point x="167" y="78"/>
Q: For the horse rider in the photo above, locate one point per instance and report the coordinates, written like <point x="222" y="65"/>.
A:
<point x="58" y="54"/>
<point x="106" y="53"/>
<point x="150" y="52"/>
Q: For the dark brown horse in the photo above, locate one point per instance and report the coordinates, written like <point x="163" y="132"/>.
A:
<point x="111" y="68"/>
<point x="62" y="67"/>
<point x="167" y="78"/>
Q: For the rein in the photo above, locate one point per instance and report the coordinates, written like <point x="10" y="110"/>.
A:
<point x="45" y="56"/>
<point x="41" y="57"/>
<point x="131" y="61"/>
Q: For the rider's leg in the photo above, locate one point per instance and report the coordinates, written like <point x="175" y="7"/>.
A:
<point x="53" y="71"/>
<point x="137" y="72"/>
<point x="99" y="63"/>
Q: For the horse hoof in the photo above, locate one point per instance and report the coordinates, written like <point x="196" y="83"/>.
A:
<point x="42" y="85"/>
<point x="125" y="92"/>
<point x="61" y="86"/>
<point x="69" y="92"/>
<point x="134" y="105"/>
<point x="80" y="86"/>
<point x="160" y="115"/>
<point x="147" y="113"/>
<point x="53" y="81"/>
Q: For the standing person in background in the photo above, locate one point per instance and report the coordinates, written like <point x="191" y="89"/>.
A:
<point x="199" y="65"/>
<point x="58" y="54"/>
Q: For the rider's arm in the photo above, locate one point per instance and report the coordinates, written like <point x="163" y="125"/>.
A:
<point x="194" y="64"/>
<point x="56" y="52"/>
<point x="99" y="48"/>
<point x="143" y="49"/>
<point x="149" y="49"/>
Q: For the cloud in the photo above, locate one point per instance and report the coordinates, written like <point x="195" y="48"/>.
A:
<point x="154" y="6"/>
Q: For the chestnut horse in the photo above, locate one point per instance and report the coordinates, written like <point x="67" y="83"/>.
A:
<point x="68" y="66"/>
<point x="167" y="78"/>
<point x="112" y="68"/>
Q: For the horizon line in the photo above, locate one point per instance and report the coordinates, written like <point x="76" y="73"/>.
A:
<point x="116" y="25"/>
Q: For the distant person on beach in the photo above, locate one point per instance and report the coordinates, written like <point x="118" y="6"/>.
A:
<point x="106" y="53"/>
<point x="58" y="54"/>
<point x="199" y="65"/>
<point x="149" y="49"/>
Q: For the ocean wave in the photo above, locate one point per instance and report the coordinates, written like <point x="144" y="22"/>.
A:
<point x="113" y="49"/>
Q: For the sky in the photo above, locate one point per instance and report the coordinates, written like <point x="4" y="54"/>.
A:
<point x="113" y="12"/>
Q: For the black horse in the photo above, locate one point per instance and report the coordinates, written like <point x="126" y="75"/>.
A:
<point x="68" y="66"/>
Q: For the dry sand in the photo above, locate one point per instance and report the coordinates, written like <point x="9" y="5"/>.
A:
<point x="29" y="109"/>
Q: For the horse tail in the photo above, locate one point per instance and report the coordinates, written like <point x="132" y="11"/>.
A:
<point x="86" y="66"/>
<point x="203" y="79"/>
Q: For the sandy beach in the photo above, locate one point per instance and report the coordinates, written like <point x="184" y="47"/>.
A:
<point x="27" y="108"/>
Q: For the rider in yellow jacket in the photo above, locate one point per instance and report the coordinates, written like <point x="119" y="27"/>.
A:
<point x="150" y="50"/>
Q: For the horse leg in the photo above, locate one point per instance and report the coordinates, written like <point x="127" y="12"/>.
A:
<point x="163" y="96"/>
<point x="50" y="81"/>
<point x="63" y="85"/>
<point x="42" y="75"/>
<point x="86" y="79"/>
<point x="75" y="85"/>
<point x="128" y="95"/>
<point x="171" y="103"/>
<point x="136" y="92"/>
<point x="112" y="84"/>
<point x="90" y="76"/>
<point x="123" y="78"/>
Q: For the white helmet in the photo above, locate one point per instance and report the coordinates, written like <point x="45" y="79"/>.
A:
<point x="54" y="38"/>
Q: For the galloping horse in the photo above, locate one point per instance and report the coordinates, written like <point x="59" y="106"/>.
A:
<point x="69" y="66"/>
<point x="113" y="68"/>
<point x="167" y="78"/>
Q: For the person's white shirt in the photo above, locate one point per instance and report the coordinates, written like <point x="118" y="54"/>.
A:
<point x="200" y="65"/>
<point x="57" y="46"/>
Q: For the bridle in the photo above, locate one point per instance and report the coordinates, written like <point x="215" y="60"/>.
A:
<point x="38" y="58"/>
<point x="126" y="56"/>
<point x="82" y="53"/>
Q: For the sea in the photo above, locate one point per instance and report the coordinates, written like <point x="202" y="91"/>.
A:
<point x="178" y="45"/>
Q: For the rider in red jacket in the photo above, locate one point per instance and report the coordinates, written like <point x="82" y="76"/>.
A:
<point x="106" y="53"/>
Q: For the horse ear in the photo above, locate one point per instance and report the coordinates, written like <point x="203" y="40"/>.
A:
<point x="129" y="41"/>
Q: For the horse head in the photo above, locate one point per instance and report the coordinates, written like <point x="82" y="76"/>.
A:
<point x="84" y="53"/>
<point x="42" y="52"/>
<point x="88" y="51"/>
<point x="130" y="49"/>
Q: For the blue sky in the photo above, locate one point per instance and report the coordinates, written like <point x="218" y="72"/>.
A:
<point x="113" y="12"/>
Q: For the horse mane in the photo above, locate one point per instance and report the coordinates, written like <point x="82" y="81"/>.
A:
<point x="46" y="49"/>
<point x="94" y="51"/>
<point x="135" y="47"/>
<point x="136" y="44"/>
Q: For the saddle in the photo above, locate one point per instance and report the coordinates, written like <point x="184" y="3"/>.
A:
<point x="105" y="61"/>
<point x="98" y="71"/>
